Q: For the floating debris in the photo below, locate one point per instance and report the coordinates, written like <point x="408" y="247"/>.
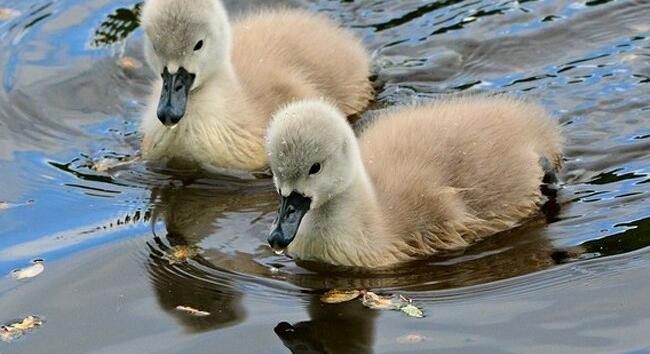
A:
<point x="10" y="333"/>
<point x="108" y="164"/>
<point x="640" y="27"/>
<point x="373" y="301"/>
<point x="377" y="302"/>
<point x="192" y="311"/>
<point x="29" y="272"/>
<point x="8" y="14"/>
<point x="412" y="311"/>
<point x="102" y="165"/>
<point x="5" y="205"/>
<point x="181" y="254"/>
<point x="339" y="296"/>
<point x="412" y="339"/>
<point x="129" y="63"/>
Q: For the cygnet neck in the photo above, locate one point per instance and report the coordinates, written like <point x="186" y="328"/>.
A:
<point x="350" y="227"/>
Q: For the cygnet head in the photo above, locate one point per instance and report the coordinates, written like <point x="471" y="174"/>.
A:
<point x="314" y="158"/>
<point x="186" y="42"/>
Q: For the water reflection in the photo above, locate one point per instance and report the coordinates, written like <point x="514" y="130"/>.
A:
<point x="341" y="328"/>
<point x="122" y="22"/>
<point x="117" y="26"/>
<point x="198" y="215"/>
<point x="585" y="61"/>
<point x="228" y="220"/>
<point x="182" y="285"/>
<point x="191" y="213"/>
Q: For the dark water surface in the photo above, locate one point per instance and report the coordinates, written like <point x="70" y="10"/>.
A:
<point x="68" y="98"/>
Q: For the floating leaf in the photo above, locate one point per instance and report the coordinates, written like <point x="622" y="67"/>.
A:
<point x="339" y="296"/>
<point x="8" y="14"/>
<point x="395" y="302"/>
<point x="129" y="63"/>
<point x="181" y="254"/>
<point x="377" y="302"/>
<point x="11" y="332"/>
<point x="192" y="311"/>
<point x="412" y="311"/>
<point x="29" y="272"/>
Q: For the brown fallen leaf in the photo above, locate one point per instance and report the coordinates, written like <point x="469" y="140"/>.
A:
<point x="192" y="311"/>
<point x="181" y="254"/>
<point x="339" y="296"/>
<point x="8" y="14"/>
<point x="11" y="332"/>
<point x="29" y="272"/>
<point x="377" y="302"/>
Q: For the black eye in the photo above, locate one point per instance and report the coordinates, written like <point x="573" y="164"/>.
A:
<point x="315" y="168"/>
<point x="198" y="45"/>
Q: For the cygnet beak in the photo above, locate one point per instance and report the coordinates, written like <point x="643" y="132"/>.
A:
<point x="173" y="99"/>
<point x="292" y="209"/>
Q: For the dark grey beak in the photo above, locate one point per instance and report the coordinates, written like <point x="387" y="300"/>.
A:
<point x="173" y="99"/>
<point x="292" y="209"/>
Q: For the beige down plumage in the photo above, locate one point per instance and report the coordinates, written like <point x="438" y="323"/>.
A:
<point x="244" y="72"/>
<point x="418" y="180"/>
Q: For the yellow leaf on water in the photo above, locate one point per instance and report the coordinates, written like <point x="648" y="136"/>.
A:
<point x="192" y="311"/>
<point x="181" y="254"/>
<point x="339" y="296"/>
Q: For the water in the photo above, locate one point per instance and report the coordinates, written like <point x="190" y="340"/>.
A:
<point x="70" y="98"/>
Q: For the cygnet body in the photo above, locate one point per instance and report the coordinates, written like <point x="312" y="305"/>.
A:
<point x="418" y="180"/>
<point x="221" y="82"/>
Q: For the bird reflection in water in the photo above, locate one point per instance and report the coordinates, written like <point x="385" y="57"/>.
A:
<point x="229" y="220"/>
<point x="191" y="214"/>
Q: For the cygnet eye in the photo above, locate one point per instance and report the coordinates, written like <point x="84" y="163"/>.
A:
<point x="315" y="168"/>
<point x="198" y="45"/>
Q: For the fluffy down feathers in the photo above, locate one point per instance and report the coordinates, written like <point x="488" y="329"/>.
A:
<point x="429" y="177"/>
